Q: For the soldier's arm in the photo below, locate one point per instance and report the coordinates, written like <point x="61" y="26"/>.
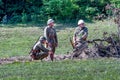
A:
<point x="43" y="48"/>
<point x="56" y="39"/>
<point x="84" y="36"/>
<point x="46" y="33"/>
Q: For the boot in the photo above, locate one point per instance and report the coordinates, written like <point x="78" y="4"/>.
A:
<point x="43" y="56"/>
<point x="52" y="56"/>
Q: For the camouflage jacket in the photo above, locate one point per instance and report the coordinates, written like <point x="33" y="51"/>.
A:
<point x="50" y="34"/>
<point x="38" y="47"/>
<point x="80" y="32"/>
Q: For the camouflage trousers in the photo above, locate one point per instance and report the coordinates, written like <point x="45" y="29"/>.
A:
<point x="81" y="45"/>
<point x="79" y="48"/>
<point x="39" y="56"/>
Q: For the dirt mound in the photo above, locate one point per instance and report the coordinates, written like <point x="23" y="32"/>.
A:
<point x="107" y="47"/>
<point x="28" y="59"/>
<point x="14" y="59"/>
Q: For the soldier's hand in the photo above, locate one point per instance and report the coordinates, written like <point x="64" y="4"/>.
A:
<point x="56" y="44"/>
<point x="49" y="44"/>
<point x="46" y="42"/>
<point x="50" y="52"/>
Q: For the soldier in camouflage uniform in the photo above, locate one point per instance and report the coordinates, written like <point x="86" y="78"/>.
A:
<point x="38" y="50"/>
<point x="51" y="36"/>
<point x="80" y="35"/>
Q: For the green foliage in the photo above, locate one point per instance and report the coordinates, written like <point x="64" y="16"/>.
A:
<point x="24" y="17"/>
<point x="116" y="3"/>
<point x="1" y="3"/>
<point x="15" y="19"/>
<point x="60" y="9"/>
<point x="40" y="10"/>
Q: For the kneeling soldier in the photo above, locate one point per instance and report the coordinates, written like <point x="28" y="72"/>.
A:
<point x="80" y="35"/>
<point x="79" y="38"/>
<point x="39" y="51"/>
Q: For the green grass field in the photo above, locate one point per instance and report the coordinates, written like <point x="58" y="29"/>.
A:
<point x="17" y="40"/>
<point x="99" y="69"/>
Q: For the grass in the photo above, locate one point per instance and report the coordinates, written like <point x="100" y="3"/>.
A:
<point x="99" y="69"/>
<point x="17" y="41"/>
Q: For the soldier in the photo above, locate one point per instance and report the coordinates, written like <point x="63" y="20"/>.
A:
<point x="39" y="51"/>
<point x="80" y="35"/>
<point x="51" y="36"/>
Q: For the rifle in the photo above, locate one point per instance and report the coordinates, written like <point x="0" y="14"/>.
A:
<point x="33" y="45"/>
<point x="72" y="43"/>
<point x="92" y="41"/>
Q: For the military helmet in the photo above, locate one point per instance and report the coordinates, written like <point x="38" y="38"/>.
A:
<point x="80" y="21"/>
<point x="50" y="21"/>
<point x="42" y="38"/>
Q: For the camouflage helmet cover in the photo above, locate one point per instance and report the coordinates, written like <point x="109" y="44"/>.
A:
<point x="42" y="38"/>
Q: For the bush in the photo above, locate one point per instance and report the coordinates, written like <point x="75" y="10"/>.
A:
<point x="15" y="19"/>
<point x="24" y="17"/>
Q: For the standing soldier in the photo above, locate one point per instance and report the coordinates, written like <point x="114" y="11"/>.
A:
<point x="39" y="51"/>
<point x="51" y="36"/>
<point x="80" y="35"/>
